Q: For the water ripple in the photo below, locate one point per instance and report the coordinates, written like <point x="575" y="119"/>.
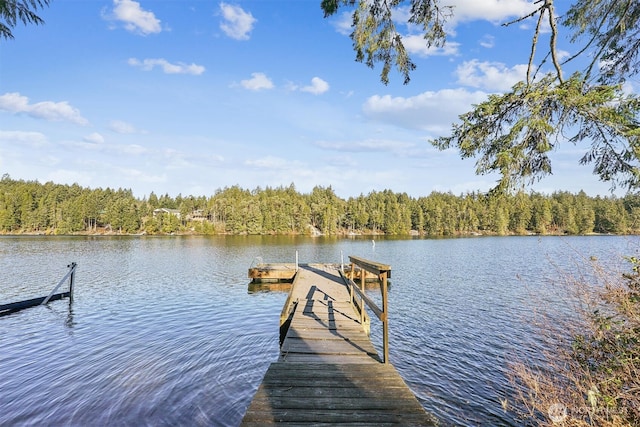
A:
<point x="162" y="331"/>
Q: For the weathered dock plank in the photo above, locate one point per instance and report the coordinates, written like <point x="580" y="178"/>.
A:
<point x="328" y="371"/>
<point x="300" y="393"/>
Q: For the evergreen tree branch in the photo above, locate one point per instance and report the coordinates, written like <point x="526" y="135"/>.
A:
<point x="534" y="45"/>
<point x="553" y="39"/>
<point x="14" y="11"/>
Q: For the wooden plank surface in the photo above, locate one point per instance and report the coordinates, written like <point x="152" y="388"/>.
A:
<point x="320" y="282"/>
<point x="324" y="325"/>
<point x="328" y="371"/>
<point x="313" y="394"/>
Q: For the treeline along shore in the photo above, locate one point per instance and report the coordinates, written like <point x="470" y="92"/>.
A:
<point x="29" y="207"/>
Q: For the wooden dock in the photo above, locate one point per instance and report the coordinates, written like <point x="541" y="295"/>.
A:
<point x="328" y="371"/>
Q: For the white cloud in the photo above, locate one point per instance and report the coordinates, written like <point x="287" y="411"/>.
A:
<point x="401" y="14"/>
<point x="628" y="88"/>
<point x="13" y="102"/>
<point x="94" y="138"/>
<point x="487" y="41"/>
<point x="138" y="175"/>
<point x="271" y="162"/>
<point x="489" y="10"/>
<point x="563" y="54"/>
<point x="135" y="19"/>
<point x="237" y="23"/>
<point x="131" y="149"/>
<point x="368" y="145"/>
<point x="341" y="161"/>
<point x="317" y="87"/>
<point x="31" y="139"/>
<point x="492" y="76"/>
<point x="428" y="111"/>
<point x="167" y="67"/>
<point x="69" y="177"/>
<point x="128" y="150"/>
<point x="119" y="126"/>
<point x="258" y="81"/>
<point x="416" y="44"/>
<point x="343" y="23"/>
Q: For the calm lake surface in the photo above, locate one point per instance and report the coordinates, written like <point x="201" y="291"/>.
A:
<point x="163" y="331"/>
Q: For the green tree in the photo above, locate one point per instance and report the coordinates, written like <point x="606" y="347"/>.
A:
<point x="520" y="213"/>
<point x="498" y="212"/>
<point x="326" y="209"/>
<point x="166" y="201"/>
<point x="152" y="225"/>
<point x="417" y="217"/>
<point x="585" y="215"/>
<point x="541" y="216"/>
<point x="170" y="223"/>
<point x="375" y="207"/>
<point x="605" y="215"/>
<point x="397" y="217"/>
<point x="564" y="212"/>
<point x="432" y="213"/>
<point x="70" y="218"/>
<point x="122" y="213"/>
<point x="632" y="206"/>
<point x="27" y="207"/>
<point x="468" y="221"/>
<point x="513" y="133"/>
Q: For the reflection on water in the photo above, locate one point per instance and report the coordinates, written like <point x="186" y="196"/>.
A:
<point x="164" y="331"/>
<point x="269" y="287"/>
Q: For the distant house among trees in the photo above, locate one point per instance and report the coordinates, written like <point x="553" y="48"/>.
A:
<point x="197" y="215"/>
<point x="160" y="211"/>
<point x="31" y="207"/>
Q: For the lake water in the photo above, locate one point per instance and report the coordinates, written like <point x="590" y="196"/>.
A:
<point x="163" y="330"/>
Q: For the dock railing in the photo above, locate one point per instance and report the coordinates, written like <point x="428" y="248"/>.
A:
<point x="383" y="273"/>
<point x="288" y="308"/>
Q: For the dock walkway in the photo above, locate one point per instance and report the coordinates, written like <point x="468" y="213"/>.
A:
<point x="328" y="371"/>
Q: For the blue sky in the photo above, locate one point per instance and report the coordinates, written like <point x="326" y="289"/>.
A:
<point x="184" y="96"/>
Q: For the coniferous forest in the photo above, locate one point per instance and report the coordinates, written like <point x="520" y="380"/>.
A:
<point x="29" y="207"/>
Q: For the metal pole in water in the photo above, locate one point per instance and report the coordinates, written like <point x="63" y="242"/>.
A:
<point x="72" y="280"/>
<point x="69" y="273"/>
<point x="296" y="260"/>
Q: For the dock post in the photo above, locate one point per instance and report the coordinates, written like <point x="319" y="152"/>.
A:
<point x="296" y="260"/>
<point x="72" y="279"/>
<point x="363" y="275"/>
<point x="385" y="322"/>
